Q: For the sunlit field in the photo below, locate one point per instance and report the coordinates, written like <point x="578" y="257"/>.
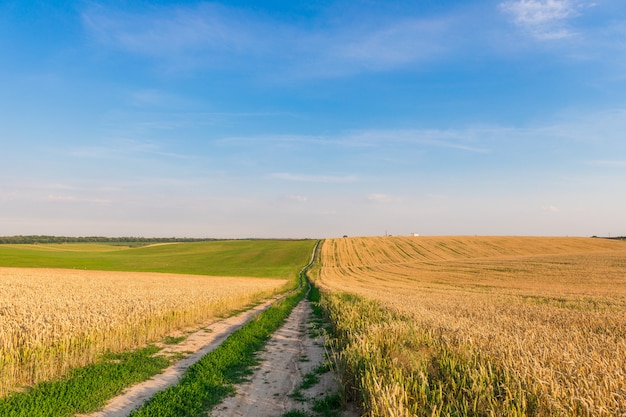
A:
<point x="53" y="320"/>
<point x="481" y="325"/>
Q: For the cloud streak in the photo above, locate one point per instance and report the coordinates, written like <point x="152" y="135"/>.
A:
<point x="164" y="31"/>
<point x="467" y="140"/>
<point x="608" y="163"/>
<point x="545" y="19"/>
<point x="323" y="179"/>
<point x="381" y="198"/>
<point x="462" y="139"/>
<point x="212" y="35"/>
<point x="334" y="44"/>
<point x="122" y="150"/>
<point x="551" y="209"/>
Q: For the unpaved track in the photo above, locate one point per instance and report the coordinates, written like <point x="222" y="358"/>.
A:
<point x="282" y="368"/>
<point x="200" y="343"/>
<point x="290" y="354"/>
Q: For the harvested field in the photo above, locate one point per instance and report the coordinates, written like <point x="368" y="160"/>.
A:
<point x="53" y="320"/>
<point x="502" y="325"/>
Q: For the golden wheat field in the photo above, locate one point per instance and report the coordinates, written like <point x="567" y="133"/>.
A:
<point x="52" y="320"/>
<point x="512" y="325"/>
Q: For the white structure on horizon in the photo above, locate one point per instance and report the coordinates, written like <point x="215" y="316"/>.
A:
<point x="415" y="234"/>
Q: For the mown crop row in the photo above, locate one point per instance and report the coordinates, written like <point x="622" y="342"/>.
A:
<point x="480" y="326"/>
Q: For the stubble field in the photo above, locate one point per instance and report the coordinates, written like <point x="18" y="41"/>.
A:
<point x="480" y="325"/>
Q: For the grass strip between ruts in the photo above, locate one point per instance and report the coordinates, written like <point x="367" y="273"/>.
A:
<point x="208" y="381"/>
<point x="85" y="389"/>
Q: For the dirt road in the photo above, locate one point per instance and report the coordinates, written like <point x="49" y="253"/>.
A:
<point x="291" y="353"/>
<point x="199" y="343"/>
<point x="294" y="354"/>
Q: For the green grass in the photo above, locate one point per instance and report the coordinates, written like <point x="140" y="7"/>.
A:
<point x="331" y="405"/>
<point x="171" y="340"/>
<point x="251" y="258"/>
<point x="85" y="389"/>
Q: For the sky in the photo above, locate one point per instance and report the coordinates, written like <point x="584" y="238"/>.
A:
<point x="313" y="119"/>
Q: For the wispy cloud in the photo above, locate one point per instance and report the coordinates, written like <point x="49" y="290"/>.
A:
<point x="121" y="149"/>
<point x="468" y="140"/>
<point x="326" y="179"/>
<point x="545" y="19"/>
<point x="382" y="198"/>
<point x="170" y="30"/>
<point x="212" y="35"/>
<point x="400" y="43"/>
<point x="608" y="163"/>
<point x="205" y="36"/>
<point x="551" y="209"/>
<point x="154" y="98"/>
<point x="64" y="198"/>
<point x="27" y="191"/>
<point x="297" y="198"/>
<point x="537" y="12"/>
<point x="463" y="139"/>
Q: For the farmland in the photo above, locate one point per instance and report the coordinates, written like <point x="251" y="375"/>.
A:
<point x="249" y="258"/>
<point x="426" y="326"/>
<point x="479" y="325"/>
<point x="55" y="318"/>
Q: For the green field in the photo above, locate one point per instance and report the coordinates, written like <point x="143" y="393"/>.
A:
<point x="252" y="258"/>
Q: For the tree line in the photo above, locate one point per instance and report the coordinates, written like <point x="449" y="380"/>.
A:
<point x="42" y="239"/>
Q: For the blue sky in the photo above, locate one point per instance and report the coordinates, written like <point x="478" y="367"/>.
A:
<point x="313" y="119"/>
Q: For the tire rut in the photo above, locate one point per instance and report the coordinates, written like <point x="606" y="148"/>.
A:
<point x="193" y="348"/>
<point x="290" y="354"/>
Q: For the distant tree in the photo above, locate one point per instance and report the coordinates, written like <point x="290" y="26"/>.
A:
<point x="43" y="239"/>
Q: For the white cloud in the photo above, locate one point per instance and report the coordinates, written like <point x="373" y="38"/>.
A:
<point x="463" y="140"/>
<point x="58" y="198"/>
<point x="37" y="193"/>
<point x="535" y="12"/>
<point x="469" y="140"/>
<point x="384" y="46"/>
<point x="162" y="31"/>
<point x="383" y="198"/>
<point x="121" y="149"/>
<point x="156" y="98"/>
<point x="545" y="19"/>
<point x="608" y="163"/>
<point x="297" y="198"/>
<point x="328" y="179"/>
<point x="551" y="209"/>
<point x="187" y="38"/>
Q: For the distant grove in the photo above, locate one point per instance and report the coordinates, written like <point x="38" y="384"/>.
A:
<point x="34" y="239"/>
